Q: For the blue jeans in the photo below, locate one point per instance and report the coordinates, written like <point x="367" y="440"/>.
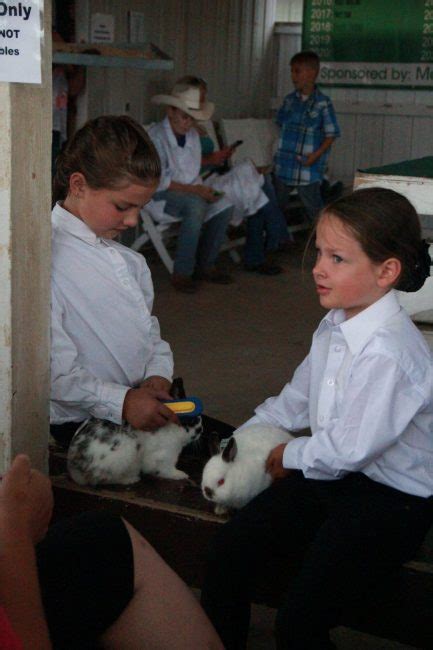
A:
<point x="269" y="221"/>
<point x="310" y="196"/>
<point x="198" y="243"/>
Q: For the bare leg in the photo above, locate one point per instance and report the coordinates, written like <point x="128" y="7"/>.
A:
<point x="163" y="613"/>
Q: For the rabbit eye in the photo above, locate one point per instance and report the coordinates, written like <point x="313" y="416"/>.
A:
<point x="220" y="482"/>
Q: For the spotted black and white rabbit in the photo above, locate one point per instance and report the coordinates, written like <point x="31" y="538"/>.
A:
<point x="103" y="452"/>
<point x="235" y="475"/>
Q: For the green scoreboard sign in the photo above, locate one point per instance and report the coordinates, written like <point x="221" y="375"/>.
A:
<point x="385" y="43"/>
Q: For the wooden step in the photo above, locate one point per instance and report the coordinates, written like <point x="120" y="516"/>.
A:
<point x="180" y="523"/>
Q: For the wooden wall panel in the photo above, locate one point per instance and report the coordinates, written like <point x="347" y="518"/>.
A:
<point x="228" y="42"/>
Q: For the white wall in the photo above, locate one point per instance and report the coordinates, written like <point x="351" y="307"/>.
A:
<point x="228" y="42"/>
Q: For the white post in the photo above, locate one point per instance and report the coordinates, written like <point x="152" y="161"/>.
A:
<point x="25" y="197"/>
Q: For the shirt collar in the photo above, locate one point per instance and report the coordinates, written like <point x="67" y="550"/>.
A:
<point x="172" y="138"/>
<point x="357" y="330"/>
<point x="311" y="97"/>
<point x="65" y="221"/>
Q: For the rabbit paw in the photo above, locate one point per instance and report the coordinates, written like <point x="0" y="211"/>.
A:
<point x="220" y="510"/>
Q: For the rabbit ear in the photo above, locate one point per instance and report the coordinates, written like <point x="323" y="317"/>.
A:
<point x="177" y="390"/>
<point x="214" y="443"/>
<point x="230" y="450"/>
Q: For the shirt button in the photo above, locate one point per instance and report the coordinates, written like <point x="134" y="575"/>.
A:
<point x="330" y="382"/>
<point x="337" y="348"/>
<point x="125" y="283"/>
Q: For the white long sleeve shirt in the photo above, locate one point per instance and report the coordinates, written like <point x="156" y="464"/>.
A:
<point x="179" y="164"/>
<point x="365" y="389"/>
<point x="104" y="337"/>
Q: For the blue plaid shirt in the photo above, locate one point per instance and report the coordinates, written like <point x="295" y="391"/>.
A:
<point x="304" y="126"/>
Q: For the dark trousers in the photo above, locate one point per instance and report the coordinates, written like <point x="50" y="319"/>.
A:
<point x="345" y="535"/>
<point x="63" y="433"/>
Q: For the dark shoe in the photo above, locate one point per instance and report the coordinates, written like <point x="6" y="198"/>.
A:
<point x="267" y="268"/>
<point x="213" y="275"/>
<point x="184" y="283"/>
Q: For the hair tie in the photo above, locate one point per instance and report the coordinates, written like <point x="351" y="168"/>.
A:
<point x="420" y="271"/>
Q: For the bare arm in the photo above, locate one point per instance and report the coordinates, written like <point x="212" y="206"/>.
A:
<point x="315" y="155"/>
<point x="25" y="510"/>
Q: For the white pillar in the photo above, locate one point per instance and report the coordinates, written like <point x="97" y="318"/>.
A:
<point x="25" y="197"/>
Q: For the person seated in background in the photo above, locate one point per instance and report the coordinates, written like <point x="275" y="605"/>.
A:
<point x="204" y="213"/>
<point x="89" y="581"/>
<point x="251" y="193"/>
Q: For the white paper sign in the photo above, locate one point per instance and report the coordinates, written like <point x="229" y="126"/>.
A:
<point x="20" y="41"/>
<point x="102" y="28"/>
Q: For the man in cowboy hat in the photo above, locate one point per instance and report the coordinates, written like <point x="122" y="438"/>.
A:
<point x="204" y="213"/>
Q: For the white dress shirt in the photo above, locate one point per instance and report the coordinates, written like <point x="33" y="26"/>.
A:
<point x="104" y="339"/>
<point x="180" y="164"/>
<point x="365" y="389"/>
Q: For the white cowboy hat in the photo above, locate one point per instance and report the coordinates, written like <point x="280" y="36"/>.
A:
<point x="187" y="98"/>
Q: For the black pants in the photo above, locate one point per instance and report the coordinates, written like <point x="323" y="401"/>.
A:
<point x="86" y="576"/>
<point x="63" y="433"/>
<point x="347" y="536"/>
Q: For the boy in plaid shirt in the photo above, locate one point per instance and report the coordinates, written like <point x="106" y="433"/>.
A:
<point x="308" y="128"/>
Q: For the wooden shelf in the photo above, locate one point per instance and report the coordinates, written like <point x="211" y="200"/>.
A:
<point x="146" y="57"/>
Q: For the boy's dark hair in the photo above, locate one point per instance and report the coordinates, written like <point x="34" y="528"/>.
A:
<point x="386" y="225"/>
<point x="306" y="57"/>
<point x="110" y="151"/>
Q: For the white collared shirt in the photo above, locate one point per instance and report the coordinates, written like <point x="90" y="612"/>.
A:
<point x="104" y="339"/>
<point x="365" y="389"/>
<point x="179" y="164"/>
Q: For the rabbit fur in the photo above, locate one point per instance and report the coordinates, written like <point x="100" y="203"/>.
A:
<point x="104" y="452"/>
<point x="234" y="476"/>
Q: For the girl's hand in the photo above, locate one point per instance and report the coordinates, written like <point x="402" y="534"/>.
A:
<point x="274" y="463"/>
<point x="143" y="409"/>
<point x="155" y="382"/>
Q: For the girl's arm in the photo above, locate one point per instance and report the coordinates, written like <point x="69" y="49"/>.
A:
<point x="379" y="402"/>
<point x="73" y="385"/>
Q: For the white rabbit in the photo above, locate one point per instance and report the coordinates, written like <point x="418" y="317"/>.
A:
<point x="103" y="452"/>
<point x="234" y="476"/>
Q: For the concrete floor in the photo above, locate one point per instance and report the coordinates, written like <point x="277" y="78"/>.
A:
<point x="236" y="345"/>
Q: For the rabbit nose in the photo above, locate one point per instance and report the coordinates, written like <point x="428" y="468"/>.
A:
<point x="208" y="492"/>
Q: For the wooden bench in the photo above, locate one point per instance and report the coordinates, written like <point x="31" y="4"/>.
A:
<point x="177" y="520"/>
